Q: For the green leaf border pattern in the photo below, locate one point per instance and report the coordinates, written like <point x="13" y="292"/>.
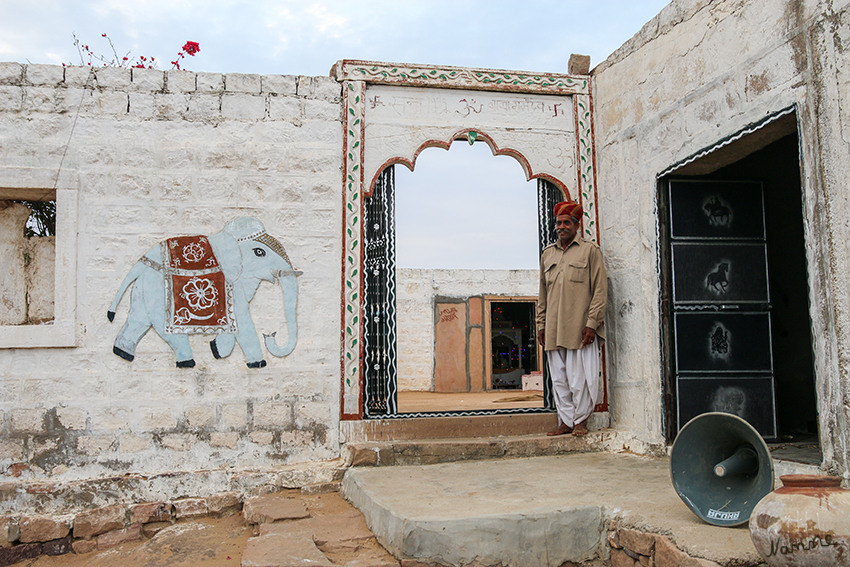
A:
<point x="355" y="93"/>
<point x="469" y="78"/>
<point x="546" y="81"/>
<point x="587" y="175"/>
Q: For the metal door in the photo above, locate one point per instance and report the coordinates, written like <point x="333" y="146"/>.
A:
<point x="379" y="316"/>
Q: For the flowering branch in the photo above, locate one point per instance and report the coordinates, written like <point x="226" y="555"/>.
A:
<point x="87" y="55"/>
<point x="191" y="48"/>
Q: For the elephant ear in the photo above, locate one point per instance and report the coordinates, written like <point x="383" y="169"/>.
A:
<point x="226" y="243"/>
<point x="228" y="254"/>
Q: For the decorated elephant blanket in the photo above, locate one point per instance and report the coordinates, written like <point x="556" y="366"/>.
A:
<point x="198" y="299"/>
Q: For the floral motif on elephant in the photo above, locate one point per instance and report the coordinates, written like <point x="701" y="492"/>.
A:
<point x="189" y="253"/>
<point x="194" y="286"/>
<point x="200" y="293"/>
<point x="194" y="252"/>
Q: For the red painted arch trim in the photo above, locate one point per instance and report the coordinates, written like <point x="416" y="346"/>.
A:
<point x="462" y="135"/>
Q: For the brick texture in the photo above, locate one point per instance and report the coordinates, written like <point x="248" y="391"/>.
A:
<point x="101" y="520"/>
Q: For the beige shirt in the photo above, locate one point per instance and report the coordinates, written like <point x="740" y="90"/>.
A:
<point x="573" y="293"/>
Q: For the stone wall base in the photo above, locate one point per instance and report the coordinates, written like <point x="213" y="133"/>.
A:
<point x="58" y="497"/>
<point x="633" y="548"/>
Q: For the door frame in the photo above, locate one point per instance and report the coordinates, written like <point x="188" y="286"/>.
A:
<point x="525" y="89"/>
<point x="724" y="152"/>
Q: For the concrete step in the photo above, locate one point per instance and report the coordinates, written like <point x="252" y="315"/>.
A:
<point x="432" y="451"/>
<point x="479" y="426"/>
<point x="420" y="441"/>
<point x="585" y="508"/>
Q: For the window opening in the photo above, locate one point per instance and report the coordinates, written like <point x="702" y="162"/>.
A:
<point x="28" y="255"/>
<point x="42" y="219"/>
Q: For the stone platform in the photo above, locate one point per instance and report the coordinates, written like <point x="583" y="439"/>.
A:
<point x="589" y="508"/>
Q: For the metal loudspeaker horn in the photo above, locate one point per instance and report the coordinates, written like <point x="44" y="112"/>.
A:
<point x="721" y="468"/>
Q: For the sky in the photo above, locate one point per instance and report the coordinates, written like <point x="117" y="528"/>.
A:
<point x="306" y="37"/>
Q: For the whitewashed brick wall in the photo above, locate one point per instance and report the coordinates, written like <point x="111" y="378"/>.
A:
<point x="697" y="73"/>
<point x="417" y="289"/>
<point x="154" y="154"/>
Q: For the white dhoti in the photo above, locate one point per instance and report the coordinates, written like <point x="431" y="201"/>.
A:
<point x="575" y="381"/>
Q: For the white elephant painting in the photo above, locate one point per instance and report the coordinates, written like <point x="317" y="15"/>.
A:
<point x="203" y="284"/>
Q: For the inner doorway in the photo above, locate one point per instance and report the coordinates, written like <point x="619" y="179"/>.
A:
<point x="412" y="312"/>
<point x="514" y="355"/>
<point x="782" y="323"/>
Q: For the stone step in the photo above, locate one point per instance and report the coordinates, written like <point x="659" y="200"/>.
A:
<point x="432" y="451"/>
<point x="316" y="530"/>
<point x="478" y="426"/>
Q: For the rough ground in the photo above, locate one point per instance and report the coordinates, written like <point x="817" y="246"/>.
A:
<point x="285" y="528"/>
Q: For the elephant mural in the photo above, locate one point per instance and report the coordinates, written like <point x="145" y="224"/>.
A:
<point x="203" y="284"/>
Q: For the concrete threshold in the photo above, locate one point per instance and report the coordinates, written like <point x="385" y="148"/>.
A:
<point x="376" y="430"/>
<point x="433" y="451"/>
<point x="422" y="441"/>
<point x="539" y="511"/>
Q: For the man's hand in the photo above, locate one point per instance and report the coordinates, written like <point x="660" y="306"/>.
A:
<point x="587" y="336"/>
<point x="541" y="337"/>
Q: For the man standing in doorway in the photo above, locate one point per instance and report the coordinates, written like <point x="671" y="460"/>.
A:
<point x="570" y="317"/>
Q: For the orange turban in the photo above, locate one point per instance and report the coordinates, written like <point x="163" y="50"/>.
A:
<point x="568" y="208"/>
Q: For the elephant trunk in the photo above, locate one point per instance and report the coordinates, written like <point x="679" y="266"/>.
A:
<point x="289" y="288"/>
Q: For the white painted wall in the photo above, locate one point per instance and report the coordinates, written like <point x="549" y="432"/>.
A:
<point x="417" y="289"/>
<point x="148" y="155"/>
<point x="698" y="72"/>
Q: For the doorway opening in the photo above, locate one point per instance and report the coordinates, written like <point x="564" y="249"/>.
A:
<point x="735" y="296"/>
<point x="429" y="318"/>
<point x="485" y="358"/>
<point x="514" y="353"/>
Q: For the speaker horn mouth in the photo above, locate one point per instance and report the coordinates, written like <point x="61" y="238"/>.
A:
<point x="721" y="468"/>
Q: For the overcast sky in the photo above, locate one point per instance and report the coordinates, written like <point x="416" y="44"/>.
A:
<point x="306" y="37"/>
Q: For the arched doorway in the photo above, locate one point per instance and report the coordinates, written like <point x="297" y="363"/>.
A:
<point x="381" y="339"/>
<point x="392" y="113"/>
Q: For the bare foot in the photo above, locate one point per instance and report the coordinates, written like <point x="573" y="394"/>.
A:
<point x="562" y="429"/>
<point x="580" y="430"/>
